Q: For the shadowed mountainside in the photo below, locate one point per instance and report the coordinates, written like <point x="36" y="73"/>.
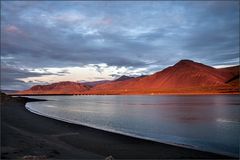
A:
<point x="94" y="83"/>
<point x="123" y="78"/>
<point x="186" y="76"/>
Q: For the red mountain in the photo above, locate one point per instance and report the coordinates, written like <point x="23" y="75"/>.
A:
<point x="57" y="88"/>
<point x="233" y="71"/>
<point x="185" y="76"/>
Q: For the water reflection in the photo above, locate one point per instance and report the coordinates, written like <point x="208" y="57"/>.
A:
<point x="207" y="122"/>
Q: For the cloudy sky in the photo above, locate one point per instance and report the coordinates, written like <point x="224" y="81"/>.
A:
<point x="45" y="42"/>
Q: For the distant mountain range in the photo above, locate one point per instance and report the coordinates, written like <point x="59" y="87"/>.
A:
<point x="57" y="88"/>
<point x="186" y="76"/>
<point x="8" y="91"/>
<point x="123" y="78"/>
<point x="94" y="83"/>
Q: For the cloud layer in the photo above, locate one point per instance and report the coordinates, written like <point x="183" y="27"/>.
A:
<point x="134" y="35"/>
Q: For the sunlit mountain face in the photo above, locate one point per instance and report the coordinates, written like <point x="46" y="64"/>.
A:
<point x="186" y="76"/>
<point x="48" y="42"/>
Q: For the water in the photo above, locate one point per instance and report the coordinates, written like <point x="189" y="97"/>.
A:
<point x="209" y="123"/>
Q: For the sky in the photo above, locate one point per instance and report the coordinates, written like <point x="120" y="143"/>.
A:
<point x="50" y="41"/>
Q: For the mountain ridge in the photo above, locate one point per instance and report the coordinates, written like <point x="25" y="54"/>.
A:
<point x="64" y="87"/>
<point x="184" y="76"/>
<point x="123" y="78"/>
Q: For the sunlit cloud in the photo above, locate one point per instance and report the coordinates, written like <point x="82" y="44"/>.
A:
<point x="90" y="72"/>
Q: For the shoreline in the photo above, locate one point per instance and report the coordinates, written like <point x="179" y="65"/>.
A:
<point x="126" y="134"/>
<point x="26" y="133"/>
<point x="148" y="94"/>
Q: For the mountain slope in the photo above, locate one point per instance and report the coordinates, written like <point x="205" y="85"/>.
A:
<point x="232" y="71"/>
<point x="57" y="88"/>
<point x="123" y="78"/>
<point x="94" y="83"/>
<point x="184" y="74"/>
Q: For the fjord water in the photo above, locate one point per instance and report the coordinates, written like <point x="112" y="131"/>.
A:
<point x="209" y="123"/>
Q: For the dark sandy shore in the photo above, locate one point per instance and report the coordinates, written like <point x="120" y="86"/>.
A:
<point x="25" y="135"/>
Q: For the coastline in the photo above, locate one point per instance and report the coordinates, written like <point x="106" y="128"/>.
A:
<point x="25" y="133"/>
<point x="130" y="135"/>
<point x="150" y="94"/>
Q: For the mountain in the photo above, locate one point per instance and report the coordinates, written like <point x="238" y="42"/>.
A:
<point x="8" y="91"/>
<point x="123" y="78"/>
<point x="57" y="88"/>
<point x="184" y="76"/>
<point x="94" y="83"/>
<point x="233" y="71"/>
<point x="4" y="98"/>
<point x="142" y="76"/>
<point x="234" y="79"/>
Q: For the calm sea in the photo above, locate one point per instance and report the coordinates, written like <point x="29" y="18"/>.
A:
<point x="210" y="123"/>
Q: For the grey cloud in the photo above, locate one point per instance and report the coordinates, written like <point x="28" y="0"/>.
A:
<point x="60" y="51"/>
<point x="63" y="72"/>
<point x="10" y="75"/>
<point x="131" y="34"/>
<point x="115" y="75"/>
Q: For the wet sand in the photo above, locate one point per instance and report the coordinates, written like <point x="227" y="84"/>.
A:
<point x="25" y="135"/>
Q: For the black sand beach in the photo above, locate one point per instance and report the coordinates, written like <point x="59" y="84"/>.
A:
<point x="25" y="135"/>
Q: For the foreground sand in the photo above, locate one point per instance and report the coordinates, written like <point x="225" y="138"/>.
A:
<point x="25" y="135"/>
